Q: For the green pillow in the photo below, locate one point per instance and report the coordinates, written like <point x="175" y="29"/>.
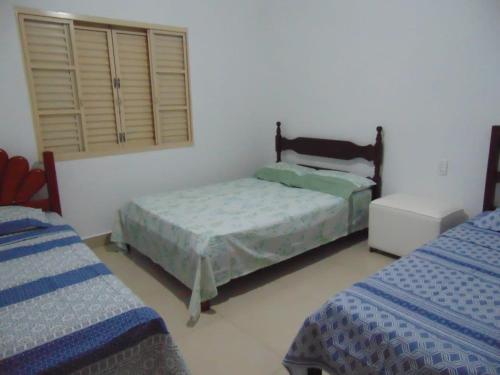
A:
<point x="338" y="183"/>
<point x="333" y="185"/>
<point x="285" y="173"/>
<point x="360" y="182"/>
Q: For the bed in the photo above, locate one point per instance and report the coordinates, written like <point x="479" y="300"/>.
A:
<point x="435" y="311"/>
<point x="209" y="235"/>
<point x="61" y="309"/>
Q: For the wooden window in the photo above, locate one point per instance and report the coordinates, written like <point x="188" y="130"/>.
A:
<point x="99" y="99"/>
<point x="170" y="81"/>
<point x="101" y="87"/>
<point x="136" y="106"/>
<point x="50" y="61"/>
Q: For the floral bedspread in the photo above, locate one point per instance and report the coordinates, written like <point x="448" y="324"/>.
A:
<point x="208" y="235"/>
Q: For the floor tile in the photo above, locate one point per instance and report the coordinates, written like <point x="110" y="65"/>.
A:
<point x="254" y="319"/>
<point x="221" y="348"/>
<point x="282" y="371"/>
<point x="274" y="321"/>
<point x="156" y="288"/>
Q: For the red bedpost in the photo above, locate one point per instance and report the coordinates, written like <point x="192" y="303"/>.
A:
<point x="52" y="189"/>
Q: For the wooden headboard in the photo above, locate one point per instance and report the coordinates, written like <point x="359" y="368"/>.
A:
<point x="492" y="173"/>
<point x="336" y="149"/>
<point x="18" y="184"/>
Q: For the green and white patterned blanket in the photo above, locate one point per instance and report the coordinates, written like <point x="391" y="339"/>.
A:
<point x="208" y="235"/>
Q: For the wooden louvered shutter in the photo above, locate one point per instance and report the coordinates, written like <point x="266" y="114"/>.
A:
<point x="96" y="71"/>
<point x="51" y="62"/>
<point x="132" y="68"/>
<point x="103" y="87"/>
<point x="170" y="81"/>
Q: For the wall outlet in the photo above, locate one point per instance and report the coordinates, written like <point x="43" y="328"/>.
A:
<point x="443" y="167"/>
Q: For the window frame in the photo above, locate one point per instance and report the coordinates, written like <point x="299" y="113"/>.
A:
<point x="103" y="22"/>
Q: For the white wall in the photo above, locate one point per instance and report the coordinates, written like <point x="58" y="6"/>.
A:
<point x="225" y="61"/>
<point x="428" y="71"/>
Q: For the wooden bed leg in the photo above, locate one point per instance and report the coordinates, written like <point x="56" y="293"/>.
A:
<point x="205" y="306"/>
<point x="313" y="371"/>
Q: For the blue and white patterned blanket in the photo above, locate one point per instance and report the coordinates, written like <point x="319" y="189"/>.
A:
<point x="436" y="311"/>
<point x="62" y="311"/>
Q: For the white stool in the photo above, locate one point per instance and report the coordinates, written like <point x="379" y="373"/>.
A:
<point x="400" y="223"/>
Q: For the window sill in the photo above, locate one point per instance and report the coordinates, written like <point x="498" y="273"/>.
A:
<point x="119" y="151"/>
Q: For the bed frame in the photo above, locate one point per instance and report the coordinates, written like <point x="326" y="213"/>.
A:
<point x="492" y="179"/>
<point x="336" y="149"/>
<point x="19" y="184"/>
<point x="492" y="172"/>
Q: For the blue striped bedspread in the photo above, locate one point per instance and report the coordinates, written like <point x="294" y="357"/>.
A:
<point x="62" y="311"/>
<point x="436" y="311"/>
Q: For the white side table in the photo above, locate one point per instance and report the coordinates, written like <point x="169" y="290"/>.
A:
<point x="400" y="223"/>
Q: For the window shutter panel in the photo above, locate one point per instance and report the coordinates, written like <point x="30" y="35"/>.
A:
<point x="170" y="76"/>
<point x="132" y="67"/>
<point x="99" y="98"/>
<point x="53" y="82"/>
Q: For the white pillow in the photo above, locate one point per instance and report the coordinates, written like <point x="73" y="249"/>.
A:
<point x="489" y="221"/>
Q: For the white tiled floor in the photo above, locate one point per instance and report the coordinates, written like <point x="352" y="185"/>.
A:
<point x="254" y="319"/>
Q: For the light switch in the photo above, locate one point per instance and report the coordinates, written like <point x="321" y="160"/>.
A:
<point x="443" y="167"/>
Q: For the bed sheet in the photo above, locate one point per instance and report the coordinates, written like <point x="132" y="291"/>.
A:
<point x="62" y="311"/>
<point x="208" y="235"/>
<point x="436" y="311"/>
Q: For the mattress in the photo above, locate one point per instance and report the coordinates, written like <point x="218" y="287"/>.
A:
<point x="209" y="235"/>
<point x="436" y="311"/>
<point x="62" y="311"/>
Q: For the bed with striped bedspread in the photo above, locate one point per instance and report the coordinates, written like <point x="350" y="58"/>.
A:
<point x="436" y="311"/>
<point x="62" y="311"/>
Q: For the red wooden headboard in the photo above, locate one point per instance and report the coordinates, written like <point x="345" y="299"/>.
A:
<point x="18" y="184"/>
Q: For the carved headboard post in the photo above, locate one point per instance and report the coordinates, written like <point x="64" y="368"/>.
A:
<point x="335" y="149"/>
<point x="53" y="190"/>
<point x="377" y="161"/>
<point x="278" y="141"/>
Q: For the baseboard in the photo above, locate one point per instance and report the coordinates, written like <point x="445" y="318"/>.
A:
<point x="382" y="252"/>
<point x="97" y="241"/>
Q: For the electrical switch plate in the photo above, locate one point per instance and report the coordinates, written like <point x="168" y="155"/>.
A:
<point x="443" y="167"/>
